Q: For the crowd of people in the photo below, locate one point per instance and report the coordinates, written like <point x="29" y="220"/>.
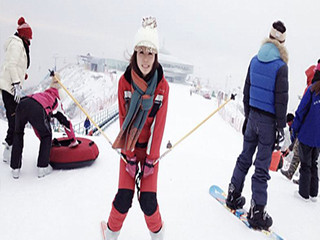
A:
<point x="143" y="100"/>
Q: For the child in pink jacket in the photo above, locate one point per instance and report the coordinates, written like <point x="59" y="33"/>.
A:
<point x="38" y="109"/>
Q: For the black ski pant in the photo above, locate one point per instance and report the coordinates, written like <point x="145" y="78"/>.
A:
<point x="29" y="110"/>
<point x="10" y="106"/>
<point x="309" y="179"/>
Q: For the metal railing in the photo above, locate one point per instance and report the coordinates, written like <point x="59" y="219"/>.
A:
<point x="102" y="118"/>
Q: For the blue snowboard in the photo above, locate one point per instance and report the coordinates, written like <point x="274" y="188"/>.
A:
<point x="241" y="214"/>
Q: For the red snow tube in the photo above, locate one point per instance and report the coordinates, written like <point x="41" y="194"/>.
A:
<point x="63" y="157"/>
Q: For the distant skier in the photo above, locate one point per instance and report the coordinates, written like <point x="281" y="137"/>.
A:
<point x="38" y="109"/>
<point x="87" y="125"/>
<point x="265" y="105"/>
<point x="12" y="75"/>
<point x="143" y="100"/>
<point x="306" y="127"/>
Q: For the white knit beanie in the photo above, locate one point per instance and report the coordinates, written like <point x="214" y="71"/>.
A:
<point x="278" y="31"/>
<point x="147" y="35"/>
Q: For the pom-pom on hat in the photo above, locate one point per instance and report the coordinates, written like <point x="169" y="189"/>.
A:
<point x="147" y="35"/>
<point x="24" y="29"/>
<point x="278" y="31"/>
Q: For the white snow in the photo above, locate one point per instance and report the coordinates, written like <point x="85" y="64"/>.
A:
<point x="70" y="204"/>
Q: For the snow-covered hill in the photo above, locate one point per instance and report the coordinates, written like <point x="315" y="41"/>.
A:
<point x="70" y="204"/>
<point x="95" y="91"/>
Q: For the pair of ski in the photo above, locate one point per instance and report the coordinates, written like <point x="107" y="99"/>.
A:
<point x="220" y="196"/>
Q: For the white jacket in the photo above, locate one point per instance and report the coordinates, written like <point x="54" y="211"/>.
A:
<point x="14" y="67"/>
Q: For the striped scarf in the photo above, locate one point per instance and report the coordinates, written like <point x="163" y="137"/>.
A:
<point x="141" y="102"/>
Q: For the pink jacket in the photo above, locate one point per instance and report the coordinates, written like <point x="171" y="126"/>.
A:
<point x="50" y="101"/>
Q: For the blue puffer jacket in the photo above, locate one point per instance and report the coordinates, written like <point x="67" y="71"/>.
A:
<point x="307" y="118"/>
<point x="266" y="86"/>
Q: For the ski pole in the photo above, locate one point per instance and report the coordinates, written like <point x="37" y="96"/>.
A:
<point x="85" y="112"/>
<point x="195" y="128"/>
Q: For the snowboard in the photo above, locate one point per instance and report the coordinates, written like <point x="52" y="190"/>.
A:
<point x="241" y="214"/>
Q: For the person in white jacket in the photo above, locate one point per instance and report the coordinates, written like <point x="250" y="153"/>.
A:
<point x="12" y="75"/>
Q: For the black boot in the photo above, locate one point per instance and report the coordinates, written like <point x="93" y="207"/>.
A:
<point x="258" y="218"/>
<point x="234" y="199"/>
<point x="296" y="181"/>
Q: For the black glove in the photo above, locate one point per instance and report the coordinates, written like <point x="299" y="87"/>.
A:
<point x="279" y="137"/>
<point x="55" y="143"/>
<point x="244" y="126"/>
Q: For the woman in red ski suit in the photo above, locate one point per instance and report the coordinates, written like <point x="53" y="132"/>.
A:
<point x="143" y="100"/>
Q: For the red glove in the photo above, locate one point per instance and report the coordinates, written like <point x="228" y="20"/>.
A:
<point x="286" y="152"/>
<point x="132" y="166"/>
<point x="26" y="76"/>
<point x="148" y="168"/>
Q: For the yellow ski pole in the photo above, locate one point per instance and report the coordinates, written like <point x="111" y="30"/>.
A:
<point x="195" y="128"/>
<point x="85" y="112"/>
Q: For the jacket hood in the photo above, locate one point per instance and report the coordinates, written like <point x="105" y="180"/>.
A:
<point x="10" y="39"/>
<point x="272" y="50"/>
<point x="54" y="92"/>
<point x="310" y="73"/>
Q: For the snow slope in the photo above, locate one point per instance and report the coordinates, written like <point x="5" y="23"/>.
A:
<point x="95" y="91"/>
<point x="70" y="204"/>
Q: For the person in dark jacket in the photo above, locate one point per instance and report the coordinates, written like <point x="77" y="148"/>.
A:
<point x="306" y="128"/>
<point x="265" y="106"/>
<point x="295" y="161"/>
<point x="87" y="125"/>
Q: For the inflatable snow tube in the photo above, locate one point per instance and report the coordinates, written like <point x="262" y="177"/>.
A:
<point x="63" y="157"/>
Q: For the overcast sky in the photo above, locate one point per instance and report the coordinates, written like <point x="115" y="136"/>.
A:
<point x="218" y="36"/>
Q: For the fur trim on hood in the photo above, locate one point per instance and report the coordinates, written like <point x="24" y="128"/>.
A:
<point x="282" y="49"/>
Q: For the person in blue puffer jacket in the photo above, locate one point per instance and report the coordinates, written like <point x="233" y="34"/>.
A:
<point x="306" y="128"/>
<point x="265" y="106"/>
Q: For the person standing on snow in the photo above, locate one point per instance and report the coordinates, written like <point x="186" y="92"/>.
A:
<point x="265" y="105"/>
<point x="12" y="75"/>
<point x="87" y="125"/>
<point x="38" y="109"/>
<point x="143" y="100"/>
<point x="295" y="161"/>
<point x="306" y="128"/>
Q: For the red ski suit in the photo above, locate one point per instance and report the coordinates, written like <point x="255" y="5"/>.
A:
<point x="148" y="146"/>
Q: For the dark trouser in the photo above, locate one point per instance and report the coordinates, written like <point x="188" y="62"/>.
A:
<point x="260" y="132"/>
<point x="10" y="106"/>
<point x="309" y="180"/>
<point x="29" y="110"/>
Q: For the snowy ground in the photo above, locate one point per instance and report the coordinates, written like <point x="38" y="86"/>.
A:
<point x="70" y="204"/>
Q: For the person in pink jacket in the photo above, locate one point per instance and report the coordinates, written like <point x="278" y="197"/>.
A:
<point x="38" y="109"/>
